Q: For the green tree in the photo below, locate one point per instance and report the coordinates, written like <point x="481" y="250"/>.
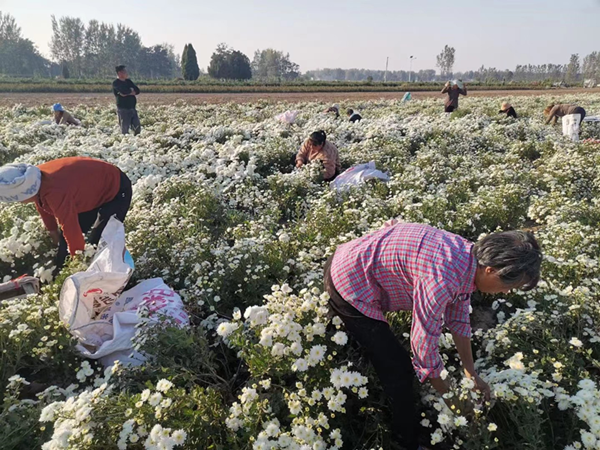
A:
<point x="272" y="64"/>
<point x="156" y="62"/>
<point x="19" y="56"/>
<point x="229" y="64"/>
<point x="189" y="63"/>
<point x="67" y="43"/>
<point x="95" y="49"/>
<point x="573" y="69"/>
<point x="445" y="60"/>
<point x="65" y="71"/>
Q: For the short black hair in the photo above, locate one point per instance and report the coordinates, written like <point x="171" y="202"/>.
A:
<point x="120" y="68"/>
<point x="349" y="112"/>
<point x="318" y="137"/>
<point x="516" y="255"/>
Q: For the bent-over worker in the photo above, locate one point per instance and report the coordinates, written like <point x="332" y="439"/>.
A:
<point x="418" y="268"/>
<point x="63" y="117"/>
<point x="506" y="108"/>
<point x="553" y="112"/>
<point x="318" y="147"/>
<point x="77" y="194"/>
<point x="353" y="116"/>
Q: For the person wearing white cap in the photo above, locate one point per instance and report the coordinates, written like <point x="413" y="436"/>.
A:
<point x="62" y="117"/>
<point x="72" y="195"/>
<point x="19" y="182"/>
<point x="453" y="89"/>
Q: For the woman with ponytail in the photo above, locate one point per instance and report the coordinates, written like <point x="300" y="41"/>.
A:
<point x="317" y="147"/>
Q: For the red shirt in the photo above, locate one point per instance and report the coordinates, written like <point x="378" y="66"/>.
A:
<point x="71" y="186"/>
<point x="416" y="268"/>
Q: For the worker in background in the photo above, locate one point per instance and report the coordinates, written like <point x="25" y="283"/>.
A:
<point x="507" y="109"/>
<point x="335" y="110"/>
<point x="125" y="94"/>
<point x="316" y="147"/>
<point x="353" y="116"/>
<point x="572" y="117"/>
<point x="553" y="112"/>
<point x="62" y="117"/>
<point x="453" y="89"/>
<point x="72" y="195"/>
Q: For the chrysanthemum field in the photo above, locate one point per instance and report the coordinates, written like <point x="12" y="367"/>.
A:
<point x="221" y="215"/>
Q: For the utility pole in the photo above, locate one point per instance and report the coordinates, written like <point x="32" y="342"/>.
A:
<point x="387" y="60"/>
<point x="410" y="71"/>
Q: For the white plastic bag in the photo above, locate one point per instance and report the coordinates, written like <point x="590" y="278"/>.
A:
<point x="288" y="116"/>
<point x="357" y="175"/>
<point x="570" y="126"/>
<point x="100" y="315"/>
<point x="154" y="296"/>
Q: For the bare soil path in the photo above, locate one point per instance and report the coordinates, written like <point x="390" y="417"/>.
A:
<point x="73" y="99"/>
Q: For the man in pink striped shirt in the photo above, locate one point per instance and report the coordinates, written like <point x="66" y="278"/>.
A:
<point x="418" y="268"/>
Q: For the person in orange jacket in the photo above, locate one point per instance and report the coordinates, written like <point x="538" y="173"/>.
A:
<point x="73" y="196"/>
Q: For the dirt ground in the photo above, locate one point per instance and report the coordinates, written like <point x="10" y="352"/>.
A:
<point x="72" y="99"/>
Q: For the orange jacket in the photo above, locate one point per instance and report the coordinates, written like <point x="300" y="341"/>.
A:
<point x="71" y="186"/>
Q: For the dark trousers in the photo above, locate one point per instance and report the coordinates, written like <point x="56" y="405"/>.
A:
<point x="128" y="118"/>
<point x="449" y="108"/>
<point x="389" y="358"/>
<point x="97" y="219"/>
<point x="580" y="110"/>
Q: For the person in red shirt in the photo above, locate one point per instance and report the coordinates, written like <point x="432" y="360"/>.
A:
<point x="431" y="272"/>
<point x="73" y="195"/>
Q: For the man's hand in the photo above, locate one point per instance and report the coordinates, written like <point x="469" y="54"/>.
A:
<point x="480" y="385"/>
<point x="55" y="235"/>
<point x="440" y="385"/>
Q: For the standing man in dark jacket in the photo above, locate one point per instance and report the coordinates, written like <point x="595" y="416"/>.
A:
<point x="125" y="92"/>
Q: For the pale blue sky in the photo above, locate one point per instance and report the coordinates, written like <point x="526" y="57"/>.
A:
<point x="345" y="33"/>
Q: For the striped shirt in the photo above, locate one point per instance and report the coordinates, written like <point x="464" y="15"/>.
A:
<point x="411" y="267"/>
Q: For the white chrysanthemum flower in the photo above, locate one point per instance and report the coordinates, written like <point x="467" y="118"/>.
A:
<point x="179" y="437"/>
<point x="155" y="399"/>
<point x="340" y="338"/>
<point x="300" y="365"/>
<point x="575" y="342"/>
<point x="163" y="385"/>
<point x="145" y="395"/>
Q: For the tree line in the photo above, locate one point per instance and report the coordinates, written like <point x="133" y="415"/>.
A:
<point x="573" y="72"/>
<point x="92" y="50"/>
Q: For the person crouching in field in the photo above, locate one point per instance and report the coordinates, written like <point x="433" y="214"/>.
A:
<point x="431" y="272"/>
<point x="317" y="147"/>
<point x="353" y="116"/>
<point x="453" y="89"/>
<point x="507" y="109"/>
<point x="335" y="110"/>
<point x="62" y="117"/>
<point x="572" y="117"/>
<point x="76" y="194"/>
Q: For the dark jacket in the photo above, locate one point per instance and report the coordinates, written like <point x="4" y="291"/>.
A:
<point x="510" y="112"/>
<point x="453" y="95"/>
<point x="122" y="90"/>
